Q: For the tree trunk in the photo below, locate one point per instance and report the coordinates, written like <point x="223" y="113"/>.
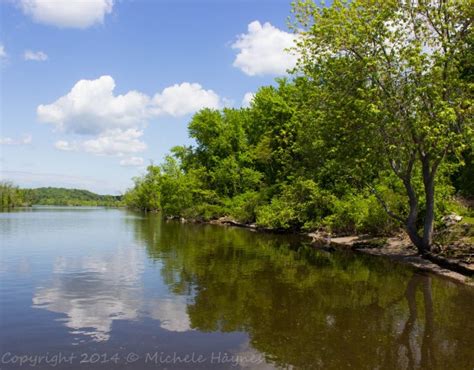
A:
<point x="423" y="243"/>
<point x="412" y="217"/>
<point x="428" y="182"/>
<point x="429" y="216"/>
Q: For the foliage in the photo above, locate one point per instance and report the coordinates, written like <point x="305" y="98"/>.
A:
<point x="69" y="197"/>
<point x="301" y="205"/>
<point x="146" y="192"/>
<point x="243" y="207"/>
<point x="463" y="177"/>
<point x="10" y="196"/>
<point x="391" y="78"/>
<point x="375" y="118"/>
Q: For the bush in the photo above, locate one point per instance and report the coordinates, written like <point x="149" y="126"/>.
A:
<point x="203" y="212"/>
<point x="347" y="215"/>
<point x="243" y="207"/>
<point x="277" y="215"/>
<point x="301" y="205"/>
<point x="363" y="213"/>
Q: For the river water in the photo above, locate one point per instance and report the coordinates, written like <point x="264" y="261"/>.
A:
<point x="96" y="288"/>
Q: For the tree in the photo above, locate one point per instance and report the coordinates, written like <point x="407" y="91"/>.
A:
<point x="393" y="70"/>
<point x="146" y="194"/>
<point x="10" y="195"/>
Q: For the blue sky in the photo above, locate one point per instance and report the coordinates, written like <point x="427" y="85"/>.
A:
<point x="145" y="67"/>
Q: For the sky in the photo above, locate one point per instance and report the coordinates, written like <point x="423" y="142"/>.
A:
<point x="92" y="91"/>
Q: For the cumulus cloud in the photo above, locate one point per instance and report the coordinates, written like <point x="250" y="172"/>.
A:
<point x="116" y="122"/>
<point x="67" y="13"/>
<point x="262" y="50"/>
<point x="179" y="100"/>
<point x="132" y="162"/>
<point x="247" y="100"/>
<point x="91" y="108"/>
<point x="37" y="56"/>
<point x="115" y="142"/>
<point x="25" y="140"/>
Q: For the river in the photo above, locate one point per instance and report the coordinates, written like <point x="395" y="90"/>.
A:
<point x="96" y="288"/>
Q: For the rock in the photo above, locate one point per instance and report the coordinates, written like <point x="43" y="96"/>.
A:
<point x="451" y="219"/>
<point x="436" y="248"/>
<point x="319" y="237"/>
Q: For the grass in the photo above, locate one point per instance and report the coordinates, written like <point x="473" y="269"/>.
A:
<point x="468" y="220"/>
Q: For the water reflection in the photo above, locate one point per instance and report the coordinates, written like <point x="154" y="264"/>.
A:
<point x="417" y="356"/>
<point x="307" y="308"/>
<point x="94" y="291"/>
<point x="253" y="294"/>
<point x="171" y="312"/>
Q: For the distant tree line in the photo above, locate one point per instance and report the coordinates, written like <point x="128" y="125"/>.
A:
<point x="12" y="196"/>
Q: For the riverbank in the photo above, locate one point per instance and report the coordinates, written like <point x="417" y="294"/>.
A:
<point x="398" y="249"/>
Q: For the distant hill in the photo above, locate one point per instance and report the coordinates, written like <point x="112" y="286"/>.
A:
<point x="69" y="197"/>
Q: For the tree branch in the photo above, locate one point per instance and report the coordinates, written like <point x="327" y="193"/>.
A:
<point x="385" y="206"/>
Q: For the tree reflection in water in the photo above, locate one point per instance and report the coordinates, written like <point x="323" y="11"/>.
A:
<point x="305" y="308"/>
<point x="406" y="339"/>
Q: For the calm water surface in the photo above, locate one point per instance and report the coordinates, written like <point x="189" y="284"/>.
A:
<point x="91" y="288"/>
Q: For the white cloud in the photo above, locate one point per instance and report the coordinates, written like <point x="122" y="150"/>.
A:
<point x="179" y="100"/>
<point x="27" y="139"/>
<point x="67" y="13"/>
<point x="91" y="108"/>
<point x="37" y="56"/>
<point x="116" y="122"/>
<point x="132" y="162"/>
<point x="262" y="50"/>
<point x="247" y="100"/>
<point x="65" y="145"/>
<point x="3" y="53"/>
<point x="115" y="142"/>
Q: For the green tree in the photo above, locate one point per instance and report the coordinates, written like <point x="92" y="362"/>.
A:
<point x="146" y="194"/>
<point x="10" y="195"/>
<point x="390" y="73"/>
<point x="68" y="197"/>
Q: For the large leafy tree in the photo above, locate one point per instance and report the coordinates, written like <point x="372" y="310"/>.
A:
<point x="393" y="71"/>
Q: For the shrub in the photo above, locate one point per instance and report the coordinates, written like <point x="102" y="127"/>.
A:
<point x="301" y="205"/>
<point x="243" y="207"/>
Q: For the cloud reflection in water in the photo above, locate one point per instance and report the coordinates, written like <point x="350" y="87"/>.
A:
<point x="94" y="291"/>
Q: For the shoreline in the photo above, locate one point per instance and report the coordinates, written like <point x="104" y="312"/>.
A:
<point x="397" y="249"/>
<point x="400" y="251"/>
